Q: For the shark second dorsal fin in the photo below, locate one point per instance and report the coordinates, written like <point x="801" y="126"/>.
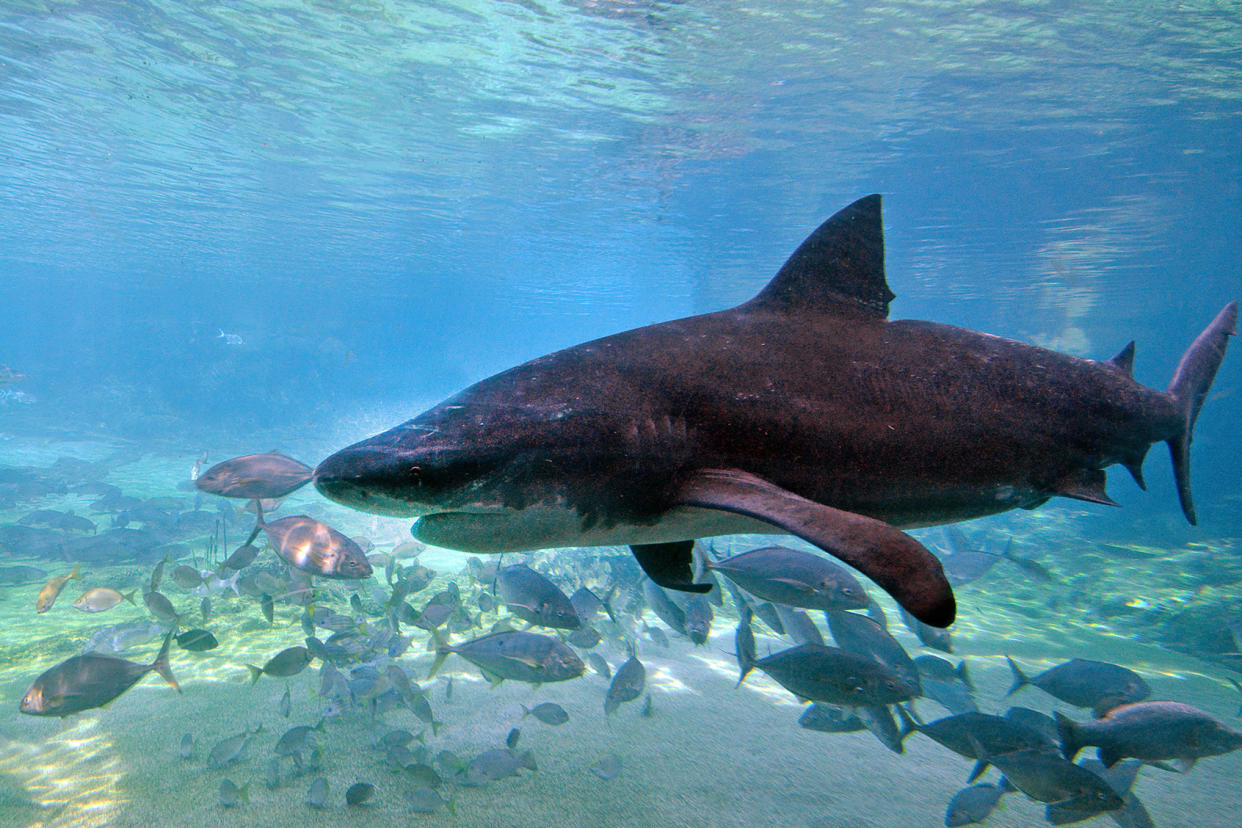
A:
<point x="838" y="269"/>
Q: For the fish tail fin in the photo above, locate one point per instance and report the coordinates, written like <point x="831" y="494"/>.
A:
<point x="161" y="665"/>
<point x="442" y="652"/>
<point x="1019" y="678"/>
<point x="243" y="793"/>
<point x="908" y="724"/>
<point x="527" y="760"/>
<point x="255" y="672"/>
<point x="612" y="591"/>
<point x="1239" y="687"/>
<point x="130" y="597"/>
<point x="76" y="574"/>
<point x="963" y="675"/>
<point x="1071" y="739"/>
<point x="746" y="668"/>
<point x="1189" y="388"/>
<point x="525" y="711"/>
<point x="982" y="756"/>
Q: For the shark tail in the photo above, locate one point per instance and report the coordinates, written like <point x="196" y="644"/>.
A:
<point x="1189" y="388"/>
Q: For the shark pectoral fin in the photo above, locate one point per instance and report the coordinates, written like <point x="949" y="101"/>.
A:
<point x="668" y="564"/>
<point x="895" y="561"/>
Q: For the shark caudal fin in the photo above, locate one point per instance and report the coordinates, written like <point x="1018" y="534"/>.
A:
<point x="1189" y="388"/>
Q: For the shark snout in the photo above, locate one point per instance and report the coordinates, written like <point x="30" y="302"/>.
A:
<point x="366" y="478"/>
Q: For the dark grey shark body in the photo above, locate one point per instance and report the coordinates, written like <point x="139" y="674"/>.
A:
<point x="803" y="409"/>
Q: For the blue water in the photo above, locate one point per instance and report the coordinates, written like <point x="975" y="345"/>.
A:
<point x="382" y="202"/>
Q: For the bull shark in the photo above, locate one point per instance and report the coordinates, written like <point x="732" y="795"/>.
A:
<point x="803" y="411"/>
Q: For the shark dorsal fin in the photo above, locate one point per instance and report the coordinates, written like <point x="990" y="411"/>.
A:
<point x="838" y="269"/>
<point x="1124" y="361"/>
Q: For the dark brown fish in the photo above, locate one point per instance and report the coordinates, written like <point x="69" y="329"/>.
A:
<point x="197" y="641"/>
<point x="317" y="548"/>
<point x="1151" y="731"/>
<point x="88" y="681"/>
<point x="254" y="476"/>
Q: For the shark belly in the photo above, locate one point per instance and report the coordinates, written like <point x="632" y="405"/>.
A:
<point x="542" y="527"/>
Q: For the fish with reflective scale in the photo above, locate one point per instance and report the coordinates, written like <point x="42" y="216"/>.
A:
<point x="317" y="794"/>
<point x="550" y="713"/>
<point x="974" y="804"/>
<point x="496" y="764"/>
<point x="970" y="734"/>
<point x="793" y="578"/>
<point x="255" y="476"/>
<point x="1083" y="682"/>
<point x="830" y="718"/>
<point x="627" y="684"/>
<point x="231" y="748"/>
<point x="102" y="599"/>
<point x="317" y="548"/>
<point x="830" y="674"/>
<point x="286" y="663"/>
<point x="162" y="608"/>
<point x="51" y="590"/>
<point x="519" y="656"/>
<point x="607" y="767"/>
<point x="1050" y="778"/>
<point x="532" y="597"/>
<point x="744" y="645"/>
<point x="1151" y="731"/>
<point x="860" y="634"/>
<point x="91" y="680"/>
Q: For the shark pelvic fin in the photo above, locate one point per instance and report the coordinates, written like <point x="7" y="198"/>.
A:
<point x="838" y="269"/>
<point x="1085" y="484"/>
<point x="668" y="564"/>
<point x="895" y="561"/>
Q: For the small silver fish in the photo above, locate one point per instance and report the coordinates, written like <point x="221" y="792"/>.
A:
<point x="317" y="796"/>
<point x="230" y="794"/>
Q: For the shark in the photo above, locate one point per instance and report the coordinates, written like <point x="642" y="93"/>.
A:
<point x="802" y="411"/>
